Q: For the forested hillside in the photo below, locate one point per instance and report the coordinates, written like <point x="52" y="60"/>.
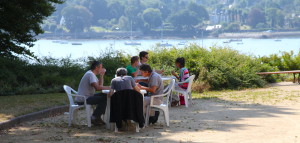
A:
<point x="173" y="15"/>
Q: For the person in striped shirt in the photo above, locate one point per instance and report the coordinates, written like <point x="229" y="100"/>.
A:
<point x="182" y="76"/>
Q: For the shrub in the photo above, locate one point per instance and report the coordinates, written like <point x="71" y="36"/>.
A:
<point x="48" y="75"/>
<point x="112" y="60"/>
<point x="216" y="67"/>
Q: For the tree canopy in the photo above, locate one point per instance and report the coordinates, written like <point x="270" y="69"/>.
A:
<point x="20" y="23"/>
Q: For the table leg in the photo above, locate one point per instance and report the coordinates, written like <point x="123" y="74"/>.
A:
<point x="299" y="78"/>
<point x="107" y="114"/>
<point x="294" y="78"/>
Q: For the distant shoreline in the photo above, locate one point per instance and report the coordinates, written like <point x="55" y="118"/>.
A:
<point x="261" y="35"/>
<point x="124" y="36"/>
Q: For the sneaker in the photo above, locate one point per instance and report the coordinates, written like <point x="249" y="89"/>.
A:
<point x="97" y="121"/>
<point x="174" y="103"/>
<point x="154" y="119"/>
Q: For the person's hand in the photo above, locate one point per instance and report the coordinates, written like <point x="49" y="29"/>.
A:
<point x="173" y="73"/>
<point x="162" y="71"/>
<point x="137" y="84"/>
<point x="102" y="71"/>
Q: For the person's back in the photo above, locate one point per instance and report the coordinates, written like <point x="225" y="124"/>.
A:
<point x="183" y="76"/>
<point x="155" y="80"/>
<point x="122" y="83"/>
<point x="132" y="69"/>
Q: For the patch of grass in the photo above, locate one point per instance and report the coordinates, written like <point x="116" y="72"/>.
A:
<point x="261" y="95"/>
<point x="17" y="105"/>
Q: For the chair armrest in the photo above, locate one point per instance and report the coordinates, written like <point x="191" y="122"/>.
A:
<point x="186" y="81"/>
<point x="82" y="96"/>
<point x="156" y="96"/>
<point x="76" y="95"/>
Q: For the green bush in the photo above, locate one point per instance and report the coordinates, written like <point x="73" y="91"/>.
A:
<point x="48" y="75"/>
<point x="112" y="60"/>
<point x="18" y="76"/>
<point x="216" y="67"/>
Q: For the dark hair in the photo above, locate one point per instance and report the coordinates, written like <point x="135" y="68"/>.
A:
<point x="143" y="54"/>
<point x="121" y="72"/>
<point x="95" y="64"/>
<point x="145" y="67"/>
<point x="180" y="61"/>
<point x="134" y="59"/>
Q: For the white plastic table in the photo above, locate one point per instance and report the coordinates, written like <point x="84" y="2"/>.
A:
<point x="163" y="78"/>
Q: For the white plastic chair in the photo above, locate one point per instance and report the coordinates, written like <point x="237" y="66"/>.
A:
<point x="164" y="106"/>
<point x="187" y="93"/>
<point x="73" y="109"/>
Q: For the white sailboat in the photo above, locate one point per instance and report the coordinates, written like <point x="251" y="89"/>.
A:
<point x="131" y="42"/>
<point x="164" y="43"/>
<point x="182" y="43"/>
<point x="76" y="43"/>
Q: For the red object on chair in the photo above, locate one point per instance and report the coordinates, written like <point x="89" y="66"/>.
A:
<point x="182" y="102"/>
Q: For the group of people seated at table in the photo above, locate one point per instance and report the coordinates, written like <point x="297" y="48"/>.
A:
<point x="125" y="79"/>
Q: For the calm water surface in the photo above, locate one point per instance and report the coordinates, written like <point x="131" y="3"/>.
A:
<point x="257" y="47"/>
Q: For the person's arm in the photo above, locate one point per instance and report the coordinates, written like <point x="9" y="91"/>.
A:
<point x="111" y="92"/>
<point x="151" y="89"/>
<point x="142" y="80"/>
<point x="99" y="85"/>
<point x="136" y="88"/>
<point x="174" y="74"/>
<point x="135" y="74"/>
<point x="160" y="71"/>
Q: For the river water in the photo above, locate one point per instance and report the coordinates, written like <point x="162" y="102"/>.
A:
<point x="256" y="47"/>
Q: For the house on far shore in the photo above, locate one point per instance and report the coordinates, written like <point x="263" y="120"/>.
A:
<point x="212" y="28"/>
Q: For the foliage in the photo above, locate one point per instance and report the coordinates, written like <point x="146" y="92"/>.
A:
<point x="217" y="67"/>
<point x="112" y="60"/>
<point x="285" y="61"/>
<point x="145" y="14"/>
<point x="184" y="20"/>
<point x="259" y="14"/>
<point x="232" y="27"/>
<point x="152" y="17"/>
<point x="255" y="17"/>
<point x="77" y="18"/>
<point x="275" y="17"/>
<point x="21" y="77"/>
<point x="20" y="23"/>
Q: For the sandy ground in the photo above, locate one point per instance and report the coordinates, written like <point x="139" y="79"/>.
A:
<point x="206" y="121"/>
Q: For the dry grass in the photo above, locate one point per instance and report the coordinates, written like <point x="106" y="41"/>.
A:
<point x="271" y="95"/>
<point x="13" y="106"/>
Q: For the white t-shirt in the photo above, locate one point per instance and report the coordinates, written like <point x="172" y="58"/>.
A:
<point x="85" y="88"/>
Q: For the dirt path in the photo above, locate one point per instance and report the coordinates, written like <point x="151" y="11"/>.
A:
<point x="208" y="121"/>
